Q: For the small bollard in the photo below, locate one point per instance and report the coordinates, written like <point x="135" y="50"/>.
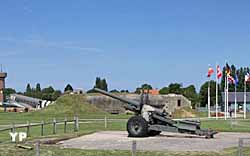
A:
<point x="134" y="148"/>
<point x="13" y="128"/>
<point x="76" y="124"/>
<point x="42" y="128"/>
<point x="105" y="122"/>
<point x="38" y="148"/>
<point x="240" y="153"/>
<point x="54" y="126"/>
<point x="28" y="129"/>
<point x="65" y="125"/>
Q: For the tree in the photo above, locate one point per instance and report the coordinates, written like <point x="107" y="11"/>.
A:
<point x="124" y="91"/>
<point x="164" y="90"/>
<point x="143" y="87"/>
<point x="114" y="91"/>
<point x="190" y="93"/>
<point x="8" y="91"/>
<point x="204" y="93"/>
<point x="38" y="87"/>
<point x="56" y="94"/>
<point x="104" y="85"/>
<point x="101" y="84"/>
<point x="28" y="90"/>
<point x="98" y="83"/>
<point x="68" y="88"/>
<point x="175" y="88"/>
<point x="47" y="93"/>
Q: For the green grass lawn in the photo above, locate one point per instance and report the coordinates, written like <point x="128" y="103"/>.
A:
<point x="12" y="150"/>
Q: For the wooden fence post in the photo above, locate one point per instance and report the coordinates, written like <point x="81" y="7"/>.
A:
<point x="38" y="148"/>
<point x="65" y="125"/>
<point x="240" y="147"/>
<point x="76" y="124"/>
<point x="28" y="129"/>
<point x="42" y="128"/>
<point x="13" y="128"/>
<point x="105" y="122"/>
<point x="54" y="126"/>
<point x="134" y="148"/>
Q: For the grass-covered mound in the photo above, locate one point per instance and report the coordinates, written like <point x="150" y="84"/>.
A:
<point x="187" y="112"/>
<point x="71" y="105"/>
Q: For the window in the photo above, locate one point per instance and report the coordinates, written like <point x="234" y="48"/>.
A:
<point x="179" y="103"/>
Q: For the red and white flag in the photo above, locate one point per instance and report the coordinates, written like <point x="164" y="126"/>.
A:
<point x="231" y="79"/>
<point x="219" y="73"/>
<point x="247" y="77"/>
<point x="210" y="72"/>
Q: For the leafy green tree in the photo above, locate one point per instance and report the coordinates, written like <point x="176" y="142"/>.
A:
<point x="7" y="92"/>
<point x="124" y="91"/>
<point x="56" y="94"/>
<point x="190" y="93"/>
<point x="38" y="87"/>
<point x="175" y="88"/>
<point x="114" y="91"/>
<point x="98" y="83"/>
<point x="164" y="90"/>
<point x="104" y="85"/>
<point x="204" y="93"/>
<point x="143" y="87"/>
<point x="28" y="90"/>
<point x="68" y="88"/>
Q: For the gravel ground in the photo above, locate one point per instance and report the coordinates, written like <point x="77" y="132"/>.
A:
<point x="118" y="140"/>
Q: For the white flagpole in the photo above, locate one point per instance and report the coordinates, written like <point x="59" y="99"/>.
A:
<point x="245" y="99"/>
<point x="216" y="105"/>
<point x="208" y="105"/>
<point x="235" y="99"/>
<point x="225" y="94"/>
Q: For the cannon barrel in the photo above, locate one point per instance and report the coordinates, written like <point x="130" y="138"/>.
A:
<point x="132" y="105"/>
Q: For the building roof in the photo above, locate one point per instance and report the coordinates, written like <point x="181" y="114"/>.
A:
<point x="239" y="97"/>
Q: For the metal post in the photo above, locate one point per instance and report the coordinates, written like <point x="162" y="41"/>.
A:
<point x="134" y="148"/>
<point x="240" y="147"/>
<point x="105" y="122"/>
<point x="54" y="126"/>
<point x="209" y="115"/>
<point x="38" y="148"/>
<point x="42" y="128"/>
<point x="13" y="128"/>
<point x="65" y="125"/>
<point x="76" y="124"/>
<point x="28" y="129"/>
<point x="245" y="99"/>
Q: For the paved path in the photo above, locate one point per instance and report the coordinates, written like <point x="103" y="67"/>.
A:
<point x="108" y="140"/>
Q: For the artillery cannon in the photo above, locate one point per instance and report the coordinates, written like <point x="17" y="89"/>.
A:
<point x="150" y="121"/>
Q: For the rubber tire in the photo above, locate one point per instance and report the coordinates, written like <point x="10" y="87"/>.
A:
<point x="137" y="126"/>
<point x="153" y="133"/>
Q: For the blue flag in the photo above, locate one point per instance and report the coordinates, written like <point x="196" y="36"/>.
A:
<point x="236" y="80"/>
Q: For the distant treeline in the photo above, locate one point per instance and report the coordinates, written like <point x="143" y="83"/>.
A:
<point x="190" y="91"/>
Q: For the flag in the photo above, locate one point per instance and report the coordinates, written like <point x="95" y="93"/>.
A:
<point x="210" y="72"/>
<point x="219" y="73"/>
<point x="247" y="77"/>
<point x="228" y="69"/>
<point x="236" y="79"/>
<point x="231" y="79"/>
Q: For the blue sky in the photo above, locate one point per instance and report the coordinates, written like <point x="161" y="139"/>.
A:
<point x="128" y="42"/>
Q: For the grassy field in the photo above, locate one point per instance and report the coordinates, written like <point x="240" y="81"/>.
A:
<point x="12" y="150"/>
<point x="71" y="105"/>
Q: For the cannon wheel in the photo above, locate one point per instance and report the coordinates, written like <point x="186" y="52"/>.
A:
<point x="153" y="133"/>
<point x="137" y="126"/>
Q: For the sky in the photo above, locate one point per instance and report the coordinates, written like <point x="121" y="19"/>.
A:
<point x="128" y="42"/>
